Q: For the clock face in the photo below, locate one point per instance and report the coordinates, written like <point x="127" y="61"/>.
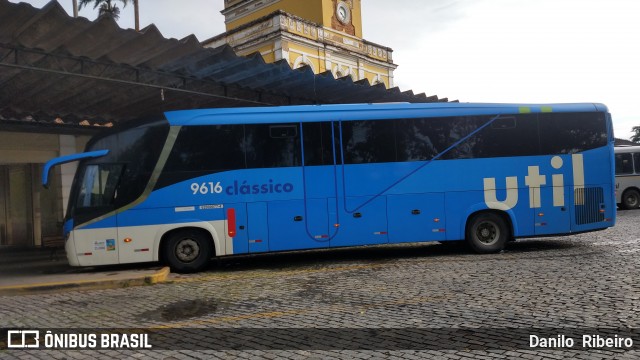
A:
<point x="342" y="12"/>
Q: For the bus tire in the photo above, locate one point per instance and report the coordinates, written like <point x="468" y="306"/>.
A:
<point x="188" y="251"/>
<point x="631" y="199"/>
<point x="487" y="233"/>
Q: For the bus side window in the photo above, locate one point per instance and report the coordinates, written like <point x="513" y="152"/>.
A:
<point x="272" y="146"/>
<point x="317" y="144"/>
<point x="624" y="164"/>
<point x="508" y="135"/>
<point x="504" y="122"/>
<point x="207" y="149"/>
<point x="368" y="141"/>
<point x="413" y="140"/>
<point x="570" y="133"/>
<point x="283" y="131"/>
<point x="636" y="161"/>
<point x="202" y="150"/>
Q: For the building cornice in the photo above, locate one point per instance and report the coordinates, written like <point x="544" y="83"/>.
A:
<point x="236" y="11"/>
<point x="281" y="21"/>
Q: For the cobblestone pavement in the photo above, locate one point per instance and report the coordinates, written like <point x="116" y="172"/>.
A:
<point x="473" y="306"/>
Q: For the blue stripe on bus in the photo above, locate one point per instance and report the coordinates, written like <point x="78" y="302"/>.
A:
<point x="362" y="191"/>
<point x="312" y="113"/>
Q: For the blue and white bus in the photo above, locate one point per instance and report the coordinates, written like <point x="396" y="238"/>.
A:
<point x="627" y="176"/>
<point x="220" y="182"/>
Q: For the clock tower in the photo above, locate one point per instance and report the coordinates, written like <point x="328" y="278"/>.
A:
<point x="325" y="35"/>
<point x="341" y="19"/>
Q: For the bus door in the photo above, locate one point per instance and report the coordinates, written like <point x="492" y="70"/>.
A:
<point x="96" y="242"/>
<point x="298" y="219"/>
<point x="360" y="207"/>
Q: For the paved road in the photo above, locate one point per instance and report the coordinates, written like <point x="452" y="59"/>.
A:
<point x="440" y="301"/>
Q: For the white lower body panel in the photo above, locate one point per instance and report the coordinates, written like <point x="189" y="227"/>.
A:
<point x="133" y="244"/>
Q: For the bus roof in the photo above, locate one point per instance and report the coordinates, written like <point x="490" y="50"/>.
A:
<point x="313" y="113"/>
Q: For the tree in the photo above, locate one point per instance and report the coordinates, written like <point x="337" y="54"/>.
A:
<point x="636" y="137"/>
<point x="107" y="7"/>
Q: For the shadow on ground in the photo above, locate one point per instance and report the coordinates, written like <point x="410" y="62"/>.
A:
<point x="378" y="254"/>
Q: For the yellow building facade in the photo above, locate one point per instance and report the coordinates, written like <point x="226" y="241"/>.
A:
<point x="325" y="35"/>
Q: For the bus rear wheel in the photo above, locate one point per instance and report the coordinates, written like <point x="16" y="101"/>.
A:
<point x="487" y="233"/>
<point x="188" y="251"/>
<point x="631" y="199"/>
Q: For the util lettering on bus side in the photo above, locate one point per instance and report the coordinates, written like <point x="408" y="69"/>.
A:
<point x="534" y="180"/>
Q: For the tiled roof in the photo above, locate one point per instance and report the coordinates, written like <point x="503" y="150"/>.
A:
<point x="54" y="66"/>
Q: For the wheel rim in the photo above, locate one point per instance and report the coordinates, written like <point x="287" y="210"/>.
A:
<point x="187" y="250"/>
<point x="487" y="232"/>
<point x="632" y="200"/>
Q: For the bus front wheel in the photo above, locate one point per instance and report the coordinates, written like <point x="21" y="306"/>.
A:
<point x="188" y="251"/>
<point x="487" y="233"/>
<point x="631" y="199"/>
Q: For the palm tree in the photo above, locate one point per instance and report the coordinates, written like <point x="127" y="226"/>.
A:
<point x="636" y="137"/>
<point x="136" y="10"/>
<point x="107" y="7"/>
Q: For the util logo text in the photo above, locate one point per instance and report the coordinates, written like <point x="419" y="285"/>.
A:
<point x="534" y="180"/>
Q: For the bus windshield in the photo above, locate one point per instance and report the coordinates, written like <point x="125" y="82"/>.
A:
<point x="132" y="156"/>
<point x="98" y="185"/>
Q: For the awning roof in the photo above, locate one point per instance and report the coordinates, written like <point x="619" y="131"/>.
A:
<point x="57" y="71"/>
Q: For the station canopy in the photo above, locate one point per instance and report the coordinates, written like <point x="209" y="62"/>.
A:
<point x="62" y="74"/>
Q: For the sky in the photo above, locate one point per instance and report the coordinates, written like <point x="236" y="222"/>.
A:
<point x="505" y="51"/>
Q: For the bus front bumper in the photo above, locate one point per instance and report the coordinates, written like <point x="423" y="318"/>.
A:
<point x="70" y="249"/>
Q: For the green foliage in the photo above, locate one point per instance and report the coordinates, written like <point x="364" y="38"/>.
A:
<point x="107" y="7"/>
<point x="636" y="137"/>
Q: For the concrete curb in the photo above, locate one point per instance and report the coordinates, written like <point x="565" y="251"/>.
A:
<point x="94" y="284"/>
